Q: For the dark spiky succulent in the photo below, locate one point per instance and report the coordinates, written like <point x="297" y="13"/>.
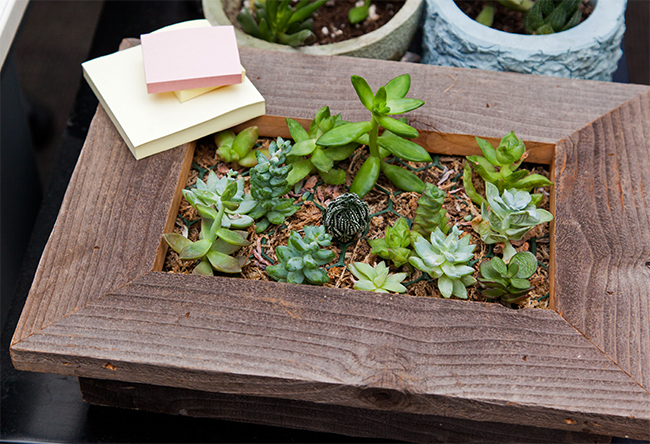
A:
<point x="550" y="16"/>
<point x="346" y="217"/>
<point x="300" y="260"/>
<point x="429" y="214"/>
<point x="507" y="282"/>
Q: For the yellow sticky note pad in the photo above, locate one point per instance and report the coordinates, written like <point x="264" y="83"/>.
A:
<point x="186" y="94"/>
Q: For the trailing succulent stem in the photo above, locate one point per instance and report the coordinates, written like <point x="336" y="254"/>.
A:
<point x="507" y="217"/>
<point x="430" y="214"/>
<point x="220" y="203"/>
<point x="377" y="278"/>
<point x="507" y="282"/>
<point x="321" y="158"/>
<point x="300" y="260"/>
<point x="269" y="184"/>
<point x="446" y="259"/>
<point x="346" y="217"/>
<point x="279" y="21"/>
<point x="238" y="148"/>
<point x="389" y="100"/>
<point x="507" y="157"/>
<point x="395" y="245"/>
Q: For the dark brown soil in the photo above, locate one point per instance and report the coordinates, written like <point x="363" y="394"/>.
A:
<point x="506" y="19"/>
<point x="445" y="171"/>
<point x="333" y="19"/>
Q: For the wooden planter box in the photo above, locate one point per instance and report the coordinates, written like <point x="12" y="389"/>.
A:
<point x="353" y="362"/>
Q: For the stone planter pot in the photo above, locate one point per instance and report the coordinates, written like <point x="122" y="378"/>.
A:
<point x="590" y="50"/>
<point x="389" y="42"/>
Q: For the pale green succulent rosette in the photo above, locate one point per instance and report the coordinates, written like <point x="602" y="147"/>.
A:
<point x="446" y="259"/>
<point x="508" y="217"/>
<point x="377" y="278"/>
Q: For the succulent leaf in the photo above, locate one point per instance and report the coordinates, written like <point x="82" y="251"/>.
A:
<point x="377" y="278"/>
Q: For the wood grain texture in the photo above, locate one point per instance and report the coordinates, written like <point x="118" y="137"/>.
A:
<point x="108" y="229"/>
<point x="603" y="235"/>
<point x="319" y="417"/>
<point x="345" y="347"/>
<point x="101" y="313"/>
<point x="458" y="100"/>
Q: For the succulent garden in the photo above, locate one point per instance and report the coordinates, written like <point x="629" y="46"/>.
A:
<point x="360" y="205"/>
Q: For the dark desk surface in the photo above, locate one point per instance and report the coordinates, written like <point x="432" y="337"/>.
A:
<point x="48" y="408"/>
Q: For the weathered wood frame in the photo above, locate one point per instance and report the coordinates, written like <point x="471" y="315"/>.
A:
<point x="97" y="310"/>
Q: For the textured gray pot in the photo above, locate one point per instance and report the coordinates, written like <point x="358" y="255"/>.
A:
<point x="389" y="42"/>
<point x="590" y="50"/>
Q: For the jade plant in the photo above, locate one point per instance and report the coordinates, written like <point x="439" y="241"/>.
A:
<point x="446" y="259"/>
<point x="301" y="259"/>
<point x="542" y="16"/>
<point x="430" y="214"/>
<point x="389" y="100"/>
<point x="507" y="217"/>
<point x="395" y="245"/>
<point x="509" y="283"/>
<point x="507" y="157"/>
<point x="377" y="278"/>
<point x="268" y="185"/>
<point x="238" y="148"/>
<point x="281" y="21"/>
<point x="216" y="201"/>
<point x="346" y="217"/>
<point x="321" y="159"/>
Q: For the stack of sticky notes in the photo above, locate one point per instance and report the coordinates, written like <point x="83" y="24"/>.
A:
<point x="184" y="82"/>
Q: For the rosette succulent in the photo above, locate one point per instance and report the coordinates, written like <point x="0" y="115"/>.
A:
<point x="395" y="245"/>
<point x="346" y="217"/>
<point x="238" y="148"/>
<point x="446" y="259"/>
<point x="507" y="157"/>
<point x="389" y="100"/>
<point x="377" y="278"/>
<point x="280" y="21"/>
<point x="507" y="217"/>
<point x="300" y="260"/>
<point x="269" y="184"/>
<point x="430" y="214"/>
<point x="321" y="158"/>
<point x="550" y="16"/>
<point x="218" y="202"/>
<point x="507" y="282"/>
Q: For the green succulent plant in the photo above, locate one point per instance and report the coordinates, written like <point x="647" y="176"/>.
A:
<point x="508" y="156"/>
<point x="280" y="21"/>
<point x="268" y="185"/>
<point x="507" y="282"/>
<point x="377" y="278"/>
<point x="542" y="16"/>
<point x="430" y="214"/>
<point x="359" y="13"/>
<point x="217" y="201"/>
<point x="238" y="148"/>
<point x="300" y="260"/>
<point x="321" y="159"/>
<point x="507" y="217"/>
<point x="395" y="245"/>
<point x="550" y="16"/>
<point x="389" y="100"/>
<point x="446" y="259"/>
<point x="346" y="217"/>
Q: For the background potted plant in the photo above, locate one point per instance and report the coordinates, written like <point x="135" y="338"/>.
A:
<point x="389" y="42"/>
<point x="590" y="50"/>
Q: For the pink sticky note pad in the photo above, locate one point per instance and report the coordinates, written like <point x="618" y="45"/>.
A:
<point x="190" y="58"/>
